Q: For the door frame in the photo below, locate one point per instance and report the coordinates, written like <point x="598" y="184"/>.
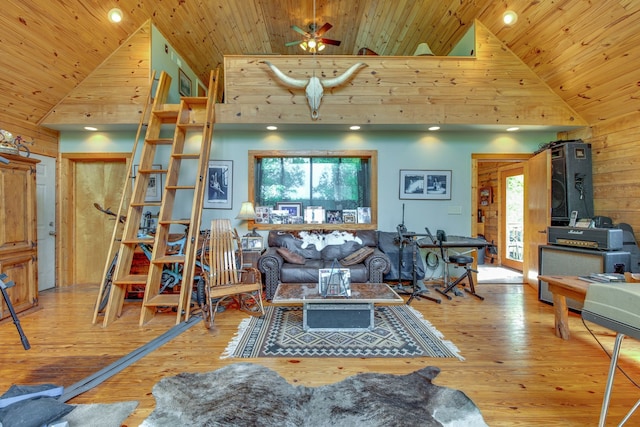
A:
<point x="490" y="157"/>
<point x="504" y="171"/>
<point x="66" y="208"/>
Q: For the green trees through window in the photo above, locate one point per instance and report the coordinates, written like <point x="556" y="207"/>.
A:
<point x="333" y="180"/>
<point x="330" y="182"/>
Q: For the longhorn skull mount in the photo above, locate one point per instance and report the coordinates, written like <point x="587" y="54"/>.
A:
<point x="314" y="85"/>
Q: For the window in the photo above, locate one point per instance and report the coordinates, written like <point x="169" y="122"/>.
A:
<point x="334" y="181"/>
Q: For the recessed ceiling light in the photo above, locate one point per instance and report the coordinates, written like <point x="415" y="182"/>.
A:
<point x="513" y="129"/>
<point x="91" y="128"/>
<point x="509" y="17"/>
<point x="272" y="127"/>
<point x="115" y="15"/>
<point x="354" y="127"/>
<point x="434" y="127"/>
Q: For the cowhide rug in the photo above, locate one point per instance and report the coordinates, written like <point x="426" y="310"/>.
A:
<point x="245" y="394"/>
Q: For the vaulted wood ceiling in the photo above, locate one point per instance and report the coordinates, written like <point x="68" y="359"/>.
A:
<point x="587" y="51"/>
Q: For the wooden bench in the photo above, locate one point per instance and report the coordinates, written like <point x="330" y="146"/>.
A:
<point x="563" y="287"/>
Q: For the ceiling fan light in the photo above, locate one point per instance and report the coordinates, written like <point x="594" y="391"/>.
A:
<point x="321" y="46"/>
<point x="312" y="44"/>
<point x="303" y="45"/>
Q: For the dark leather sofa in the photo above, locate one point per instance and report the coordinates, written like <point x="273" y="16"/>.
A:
<point x="289" y="260"/>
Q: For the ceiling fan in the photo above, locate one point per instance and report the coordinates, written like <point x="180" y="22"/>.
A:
<point x="312" y="40"/>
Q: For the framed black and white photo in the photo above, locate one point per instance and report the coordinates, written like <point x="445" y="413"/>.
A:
<point x="219" y="185"/>
<point x="154" y="188"/>
<point x="184" y="83"/>
<point x="425" y="184"/>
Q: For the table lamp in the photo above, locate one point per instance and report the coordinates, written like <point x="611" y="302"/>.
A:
<point x="247" y="213"/>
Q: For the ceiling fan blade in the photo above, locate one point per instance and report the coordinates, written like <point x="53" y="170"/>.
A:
<point x="294" y="43"/>
<point x="329" y="41"/>
<point x="326" y="27"/>
<point x="300" y="30"/>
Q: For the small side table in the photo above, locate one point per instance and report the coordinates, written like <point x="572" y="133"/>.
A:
<point x="250" y="258"/>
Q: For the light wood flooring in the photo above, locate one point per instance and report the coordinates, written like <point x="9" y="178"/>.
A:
<point x="515" y="369"/>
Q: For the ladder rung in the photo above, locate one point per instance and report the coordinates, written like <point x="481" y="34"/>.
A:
<point x="180" y="187"/>
<point x="184" y="221"/>
<point x="159" y="141"/>
<point x="186" y="156"/>
<point x="150" y="171"/>
<point x="139" y="240"/>
<point x="169" y="259"/>
<point x="191" y="125"/>
<point x="143" y="204"/>
<point x="163" y="300"/>
<point x="167" y="112"/>
<point x="132" y="279"/>
<point x="195" y="100"/>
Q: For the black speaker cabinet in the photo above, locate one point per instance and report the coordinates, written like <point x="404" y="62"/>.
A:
<point x="571" y="182"/>
<point x="569" y="261"/>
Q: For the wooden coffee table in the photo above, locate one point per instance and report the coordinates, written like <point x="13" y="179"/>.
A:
<point x="355" y="313"/>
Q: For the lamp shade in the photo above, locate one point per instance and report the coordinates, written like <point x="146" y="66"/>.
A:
<point x="246" y="211"/>
<point x="423" y="49"/>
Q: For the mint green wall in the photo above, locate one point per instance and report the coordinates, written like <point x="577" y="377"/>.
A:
<point x="396" y="150"/>
<point x="467" y="44"/>
<point x="165" y="58"/>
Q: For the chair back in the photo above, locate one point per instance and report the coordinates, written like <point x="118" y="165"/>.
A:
<point x="223" y="245"/>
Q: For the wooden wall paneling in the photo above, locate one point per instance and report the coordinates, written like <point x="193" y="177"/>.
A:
<point x="38" y="139"/>
<point x="494" y="87"/>
<point x="616" y="168"/>
<point x="115" y="92"/>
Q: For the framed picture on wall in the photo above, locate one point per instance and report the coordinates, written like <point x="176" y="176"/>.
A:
<point x="184" y="83"/>
<point x="425" y="184"/>
<point x="219" y="185"/>
<point x="154" y="188"/>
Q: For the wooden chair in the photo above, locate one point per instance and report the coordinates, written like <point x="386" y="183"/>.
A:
<point x="227" y="278"/>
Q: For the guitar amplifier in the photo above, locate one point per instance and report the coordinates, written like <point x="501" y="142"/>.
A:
<point x="604" y="239"/>
<point x="568" y="261"/>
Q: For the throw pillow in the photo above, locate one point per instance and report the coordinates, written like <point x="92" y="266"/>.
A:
<point x="357" y="257"/>
<point x="291" y="257"/>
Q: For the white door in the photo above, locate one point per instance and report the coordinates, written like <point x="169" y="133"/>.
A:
<point x="46" y="202"/>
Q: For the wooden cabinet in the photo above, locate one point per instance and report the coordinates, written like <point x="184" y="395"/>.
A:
<point x="18" y="234"/>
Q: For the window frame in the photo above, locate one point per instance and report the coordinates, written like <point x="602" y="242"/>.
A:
<point x="370" y="155"/>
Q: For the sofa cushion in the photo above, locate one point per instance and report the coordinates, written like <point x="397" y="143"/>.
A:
<point x="291" y="257"/>
<point x="332" y="252"/>
<point x="357" y="257"/>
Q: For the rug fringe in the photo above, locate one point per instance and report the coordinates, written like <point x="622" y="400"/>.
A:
<point x="235" y="341"/>
<point x="449" y="344"/>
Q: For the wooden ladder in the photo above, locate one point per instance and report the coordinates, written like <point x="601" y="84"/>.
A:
<point x="185" y="179"/>
<point x="125" y="197"/>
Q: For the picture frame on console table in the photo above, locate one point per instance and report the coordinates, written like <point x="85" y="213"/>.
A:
<point x="294" y="208"/>
<point x="425" y="184"/>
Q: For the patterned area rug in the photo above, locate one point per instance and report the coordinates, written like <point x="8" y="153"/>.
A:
<point x="400" y="331"/>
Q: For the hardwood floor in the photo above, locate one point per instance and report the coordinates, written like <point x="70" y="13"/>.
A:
<point x="515" y="369"/>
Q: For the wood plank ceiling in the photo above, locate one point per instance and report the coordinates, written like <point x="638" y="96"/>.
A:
<point x="587" y="51"/>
